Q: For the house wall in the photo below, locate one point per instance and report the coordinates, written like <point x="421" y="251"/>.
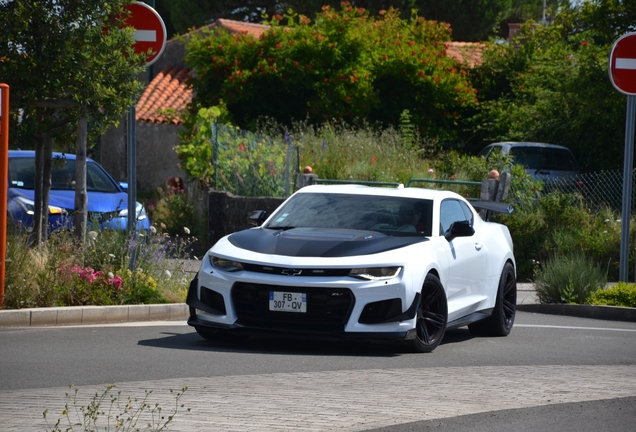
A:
<point x="156" y="158"/>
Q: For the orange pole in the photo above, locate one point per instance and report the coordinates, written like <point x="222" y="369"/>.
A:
<point x="4" y="187"/>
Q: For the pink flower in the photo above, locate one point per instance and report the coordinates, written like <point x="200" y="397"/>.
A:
<point x="116" y="282"/>
<point x="431" y="171"/>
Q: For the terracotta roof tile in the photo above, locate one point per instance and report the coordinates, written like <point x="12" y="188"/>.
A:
<point x="468" y="53"/>
<point x="240" y="27"/>
<point x="167" y="91"/>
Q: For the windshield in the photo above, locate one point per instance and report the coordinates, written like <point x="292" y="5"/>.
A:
<point x="544" y="158"/>
<point x="22" y="175"/>
<point x="393" y="215"/>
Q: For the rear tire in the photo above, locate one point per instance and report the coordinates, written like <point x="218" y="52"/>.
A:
<point x="503" y="315"/>
<point x="431" y="318"/>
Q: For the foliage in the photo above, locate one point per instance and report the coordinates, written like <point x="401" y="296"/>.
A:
<point x="621" y="294"/>
<point x="245" y="163"/>
<point x="561" y="224"/>
<point x="568" y="278"/>
<point x="551" y="85"/>
<point x="344" y="65"/>
<point x="470" y="20"/>
<point x="57" y="52"/>
<point x="63" y="273"/>
<point x="172" y="209"/>
<point x="120" y="414"/>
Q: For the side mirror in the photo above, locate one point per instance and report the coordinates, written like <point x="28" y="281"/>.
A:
<point x="124" y="186"/>
<point x="459" y="229"/>
<point x="257" y="217"/>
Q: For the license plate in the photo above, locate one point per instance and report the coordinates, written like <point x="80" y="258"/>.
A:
<point x="287" y="301"/>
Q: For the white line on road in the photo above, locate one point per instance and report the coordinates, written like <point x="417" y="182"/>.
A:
<point x="576" y="328"/>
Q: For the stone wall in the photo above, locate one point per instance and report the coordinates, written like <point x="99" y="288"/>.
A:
<point x="228" y="213"/>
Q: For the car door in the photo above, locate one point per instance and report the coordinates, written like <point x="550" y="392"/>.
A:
<point x="467" y="261"/>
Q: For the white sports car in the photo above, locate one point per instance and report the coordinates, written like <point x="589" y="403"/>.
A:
<point x="360" y="262"/>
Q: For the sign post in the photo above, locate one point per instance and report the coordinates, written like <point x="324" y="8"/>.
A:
<point x="4" y="174"/>
<point x="622" y="73"/>
<point x="150" y="38"/>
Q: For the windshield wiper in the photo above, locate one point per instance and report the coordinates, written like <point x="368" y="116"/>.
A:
<point x="281" y="228"/>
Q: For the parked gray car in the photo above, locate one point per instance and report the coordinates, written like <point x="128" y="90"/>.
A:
<point x="542" y="161"/>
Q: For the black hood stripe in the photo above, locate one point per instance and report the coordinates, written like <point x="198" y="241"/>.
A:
<point x="314" y="242"/>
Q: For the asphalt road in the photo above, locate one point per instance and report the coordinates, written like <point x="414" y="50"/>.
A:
<point x="551" y="373"/>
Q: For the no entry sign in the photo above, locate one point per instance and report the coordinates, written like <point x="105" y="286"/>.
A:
<point x="622" y="65"/>
<point x="150" y="31"/>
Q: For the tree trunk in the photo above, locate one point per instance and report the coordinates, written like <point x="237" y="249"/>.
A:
<point x="81" y="199"/>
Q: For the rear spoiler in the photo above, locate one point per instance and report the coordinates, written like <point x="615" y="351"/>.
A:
<point x="493" y="206"/>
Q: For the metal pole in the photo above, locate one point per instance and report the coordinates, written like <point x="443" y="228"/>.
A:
<point x="132" y="182"/>
<point x="4" y="174"/>
<point x="628" y="167"/>
<point x="215" y="154"/>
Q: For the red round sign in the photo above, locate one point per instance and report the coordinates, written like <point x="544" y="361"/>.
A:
<point x="622" y="64"/>
<point x="150" y="31"/>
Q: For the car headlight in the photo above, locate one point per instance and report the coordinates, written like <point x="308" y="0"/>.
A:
<point x="139" y="210"/>
<point x="375" y="273"/>
<point x="225" y="264"/>
<point x="29" y="207"/>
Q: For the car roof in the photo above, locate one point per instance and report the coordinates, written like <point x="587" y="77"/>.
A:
<point x="356" y="189"/>
<point x="528" y="144"/>
<point x="31" y="154"/>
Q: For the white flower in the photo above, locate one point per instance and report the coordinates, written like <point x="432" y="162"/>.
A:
<point x="92" y="234"/>
<point x="168" y="274"/>
<point x="618" y="220"/>
<point x="606" y="220"/>
<point x="110" y="275"/>
<point x="186" y="230"/>
<point x="111" y="255"/>
<point x="163" y="226"/>
<point x="153" y="230"/>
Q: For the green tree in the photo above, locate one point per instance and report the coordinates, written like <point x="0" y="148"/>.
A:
<point x="551" y="85"/>
<point x="346" y="65"/>
<point x="471" y="20"/>
<point x="65" y="64"/>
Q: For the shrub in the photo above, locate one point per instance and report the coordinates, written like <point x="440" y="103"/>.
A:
<point x="622" y="294"/>
<point x="568" y="279"/>
<point x="63" y="273"/>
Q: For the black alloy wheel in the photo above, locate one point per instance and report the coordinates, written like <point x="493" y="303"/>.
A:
<point x="503" y="315"/>
<point x="432" y="315"/>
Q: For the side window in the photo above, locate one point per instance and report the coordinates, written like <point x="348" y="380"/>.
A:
<point x="451" y="211"/>
<point x="469" y="215"/>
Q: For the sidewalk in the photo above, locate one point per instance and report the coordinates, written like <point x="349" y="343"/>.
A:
<point x="527" y="301"/>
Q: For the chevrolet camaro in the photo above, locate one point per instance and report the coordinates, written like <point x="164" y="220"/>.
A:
<point x="353" y="261"/>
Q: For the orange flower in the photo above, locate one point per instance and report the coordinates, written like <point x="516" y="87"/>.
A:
<point x="372" y="161"/>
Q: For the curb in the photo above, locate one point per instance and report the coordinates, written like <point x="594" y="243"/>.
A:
<point x="85" y="315"/>
<point x="610" y="313"/>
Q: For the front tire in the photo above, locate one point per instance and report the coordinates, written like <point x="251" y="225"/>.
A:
<point x="431" y="318"/>
<point x="503" y="315"/>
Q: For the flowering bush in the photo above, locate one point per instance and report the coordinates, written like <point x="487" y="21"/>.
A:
<point x="345" y="65"/>
<point x="63" y="273"/>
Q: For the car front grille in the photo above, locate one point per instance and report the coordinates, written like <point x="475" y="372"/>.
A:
<point x="289" y="271"/>
<point x="328" y="309"/>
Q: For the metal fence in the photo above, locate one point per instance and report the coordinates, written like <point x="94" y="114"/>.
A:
<point x="597" y="190"/>
<point x="249" y="164"/>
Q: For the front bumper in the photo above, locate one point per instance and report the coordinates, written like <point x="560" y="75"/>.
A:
<point x="336" y="307"/>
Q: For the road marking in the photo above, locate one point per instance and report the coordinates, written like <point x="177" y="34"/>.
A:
<point x="575" y="327"/>
<point x="625" y="63"/>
